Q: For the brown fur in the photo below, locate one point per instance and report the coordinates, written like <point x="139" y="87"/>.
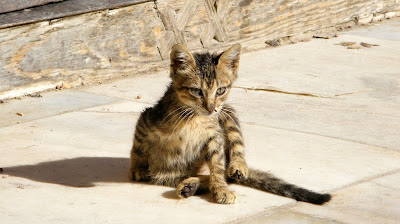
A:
<point x="191" y="125"/>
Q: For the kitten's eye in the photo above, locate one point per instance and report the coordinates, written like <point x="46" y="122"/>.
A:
<point x="221" y="90"/>
<point x="196" y="92"/>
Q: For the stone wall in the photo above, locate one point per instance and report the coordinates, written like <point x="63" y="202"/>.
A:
<point x="99" y="46"/>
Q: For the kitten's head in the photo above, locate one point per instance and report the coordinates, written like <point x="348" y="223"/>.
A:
<point x="203" y="81"/>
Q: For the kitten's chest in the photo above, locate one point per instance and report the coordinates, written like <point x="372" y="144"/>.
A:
<point x="198" y="131"/>
<point x="192" y="136"/>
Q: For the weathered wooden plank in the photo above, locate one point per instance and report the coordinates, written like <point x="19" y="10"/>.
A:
<point x="222" y="10"/>
<point x="59" y="10"/>
<point x="250" y="19"/>
<point x="217" y="25"/>
<point x="14" y="5"/>
<point x="222" y="7"/>
<point x="195" y="24"/>
<point x="221" y="33"/>
<point x="165" y="44"/>
<point x="110" y="44"/>
<point x="169" y="20"/>
<point x="207" y="35"/>
<point x="186" y="13"/>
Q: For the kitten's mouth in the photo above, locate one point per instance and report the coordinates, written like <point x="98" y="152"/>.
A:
<point x="207" y="113"/>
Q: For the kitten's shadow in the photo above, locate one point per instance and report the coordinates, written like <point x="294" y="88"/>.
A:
<point x="170" y="195"/>
<point x="83" y="172"/>
<point x="76" y="172"/>
<point x="204" y="195"/>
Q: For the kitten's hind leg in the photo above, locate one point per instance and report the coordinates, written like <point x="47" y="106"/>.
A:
<point x="192" y="186"/>
<point x="139" y="166"/>
<point x="139" y="175"/>
<point x="139" y="170"/>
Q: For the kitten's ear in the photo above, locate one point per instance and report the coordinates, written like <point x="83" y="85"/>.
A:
<point x="230" y="59"/>
<point x="181" y="58"/>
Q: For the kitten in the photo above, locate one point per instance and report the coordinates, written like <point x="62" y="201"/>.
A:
<point x="191" y="125"/>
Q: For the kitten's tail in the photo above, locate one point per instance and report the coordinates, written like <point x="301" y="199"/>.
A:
<point x="267" y="182"/>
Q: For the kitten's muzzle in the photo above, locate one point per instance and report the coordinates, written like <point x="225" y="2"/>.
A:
<point x="211" y="107"/>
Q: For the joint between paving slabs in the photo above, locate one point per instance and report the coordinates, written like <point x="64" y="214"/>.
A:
<point x="367" y="179"/>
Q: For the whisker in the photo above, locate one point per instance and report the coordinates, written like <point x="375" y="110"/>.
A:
<point x="178" y="120"/>
<point x="188" y="120"/>
<point x="225" y="114"/>
<point x="229" y="117"/>
<point x="177" y="114"/>
<point x="182" y="113"/>
<point x="228" y="110"/>
<point x="171" y="114"/>
<point x="190" y="112"/>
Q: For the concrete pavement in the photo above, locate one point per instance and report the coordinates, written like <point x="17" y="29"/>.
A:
<point x="314" y="113"/>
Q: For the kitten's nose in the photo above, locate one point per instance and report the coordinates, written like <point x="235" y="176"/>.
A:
<point x="211" y="107"/>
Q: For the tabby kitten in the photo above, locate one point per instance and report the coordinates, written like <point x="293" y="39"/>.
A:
<point x="191" y="125"/>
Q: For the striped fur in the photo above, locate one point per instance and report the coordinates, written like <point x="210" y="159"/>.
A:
<point x="267" y="182"/>
<point x="190" y="125"/>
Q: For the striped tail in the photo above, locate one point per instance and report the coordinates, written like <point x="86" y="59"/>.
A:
<point x="267" y="182"/>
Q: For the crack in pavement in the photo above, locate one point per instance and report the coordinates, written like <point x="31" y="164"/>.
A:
<point x="299" y="94"/>
<point x="280" y="91"/>
<point x="351" y="93"/>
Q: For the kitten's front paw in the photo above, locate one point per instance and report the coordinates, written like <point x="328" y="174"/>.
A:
<point x="139" y="175"/>
<point x="238" y="170"/>
<point x="224" y="196"/>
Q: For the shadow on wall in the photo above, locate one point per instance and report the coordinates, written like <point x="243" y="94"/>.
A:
<point x="77" y="172"/>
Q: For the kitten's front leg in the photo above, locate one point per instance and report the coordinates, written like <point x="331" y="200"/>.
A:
<point x="215" y="158"/>
<point x="237" y="168"/>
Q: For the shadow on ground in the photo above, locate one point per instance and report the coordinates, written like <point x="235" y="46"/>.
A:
<point x="205" y="195"/>
<point x="76" y="172"/>
<point x="84" y="172"/>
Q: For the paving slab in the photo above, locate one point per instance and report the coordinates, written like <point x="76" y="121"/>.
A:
<point x="321" y="67"/>
<point x="91" y="163"/>
<point x="89" y="149"/>
<point x="286" y="217"/>
<point x="315" y="162"/>
<point x="373" y="201"/>
<point x="337" y="118"/>
<point x="94" y="180"/>
<point x="48" y="104"/>
<point x="68" y="135"/>
<point x="324" y="88"/>
<point x="150" y="88"/>
<point x="366" y="202"/>
<point x="120" y="107"/>
<point x="386" y="31"/>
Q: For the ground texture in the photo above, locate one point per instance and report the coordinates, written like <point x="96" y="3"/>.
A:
<point x="315" y="113"/>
